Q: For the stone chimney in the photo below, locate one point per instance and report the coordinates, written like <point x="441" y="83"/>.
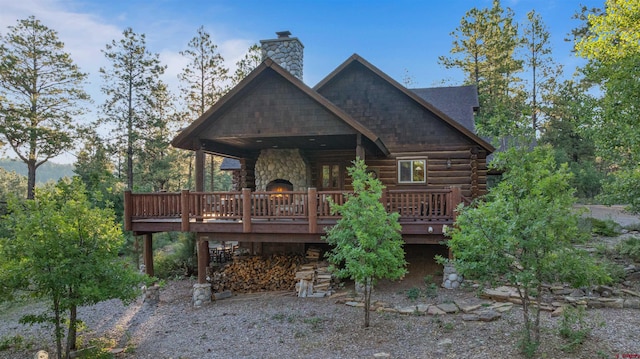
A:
<point x="285" y="51"/>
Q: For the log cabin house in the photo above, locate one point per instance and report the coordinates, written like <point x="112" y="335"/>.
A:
<point x="289" y="145"/>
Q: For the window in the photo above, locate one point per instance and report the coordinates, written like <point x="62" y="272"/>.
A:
<point x="331" y="176"/>
<point x="412" y="171"/>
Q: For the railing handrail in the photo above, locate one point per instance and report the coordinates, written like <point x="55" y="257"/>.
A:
<point x="430" y="204"/>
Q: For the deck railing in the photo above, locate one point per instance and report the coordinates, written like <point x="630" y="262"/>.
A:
<point x="311" y="205"/>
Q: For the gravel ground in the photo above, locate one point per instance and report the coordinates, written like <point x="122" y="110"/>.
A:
<point x="279" y="325"/>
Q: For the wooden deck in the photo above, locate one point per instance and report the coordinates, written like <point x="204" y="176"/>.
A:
<point x="297" y="216"/>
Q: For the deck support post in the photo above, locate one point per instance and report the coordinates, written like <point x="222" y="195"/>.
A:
<point x="312" y="195"/>
<point x="148" y="254"/>
<point x="184" y="204"/>
<point x="203" y="253"/>
<point x="246" y="210"/>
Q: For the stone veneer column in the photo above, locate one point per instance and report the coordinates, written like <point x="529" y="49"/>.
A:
<point x="286" y="164"/>
<point x="285" y="51"/>
<point x="451" y="279"/>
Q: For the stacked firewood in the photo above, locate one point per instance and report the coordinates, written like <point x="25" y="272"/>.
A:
<point x="313" y="279"/>
<point x="257" y="274"/>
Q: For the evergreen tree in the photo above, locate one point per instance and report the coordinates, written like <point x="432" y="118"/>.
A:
<point x="41" y="91"/>
<point x="250" y="61"/>
<point x="129" y="84"/>
<point x="484" y="48"/>
<point x="366" y="240"/>
<point x="203" y="82"/>
<point x="540" y="63"/>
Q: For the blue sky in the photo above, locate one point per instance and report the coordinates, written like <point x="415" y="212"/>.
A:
<point x="398" y="37"/>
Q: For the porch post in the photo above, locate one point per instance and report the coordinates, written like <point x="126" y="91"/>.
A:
<point x="184" y="204"/>
<point x="199" y="171"/>
<point x="312" y="211"/>
<point x="148" y="254"/>
<point x="203" y="252"/>
<point x="359" y="147"/>
<point x="246" y="210"/>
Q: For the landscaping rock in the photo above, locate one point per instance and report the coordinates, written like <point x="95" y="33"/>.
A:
<point x="489" y="315"/>
<point x="448" y="307"/>
<point x="434" y="310"/>
<point x="632" y="303"/>
<point x="470" y="317"/>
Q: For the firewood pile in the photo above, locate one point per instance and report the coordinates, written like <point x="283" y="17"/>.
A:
<point x="256" y="274"/>
<point x="313" y="279"/>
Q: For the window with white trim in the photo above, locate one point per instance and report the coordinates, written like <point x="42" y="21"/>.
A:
<point x="412" y="170"/>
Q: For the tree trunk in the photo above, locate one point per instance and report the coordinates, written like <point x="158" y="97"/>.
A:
<point x="367" y="301"/>
<point x="58" y="328"/>
<point x="71" y="336"/>
<point x="31" y="178"/>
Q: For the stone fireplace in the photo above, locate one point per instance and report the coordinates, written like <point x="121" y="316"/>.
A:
<point x="279" y="165"/>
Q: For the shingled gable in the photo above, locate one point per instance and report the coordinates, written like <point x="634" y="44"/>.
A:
<point x="191" y="137"/>
<point x="465" y="129"/>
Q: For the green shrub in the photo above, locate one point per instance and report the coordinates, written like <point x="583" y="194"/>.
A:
<point x="607" y="228"/>
<point x="615" y="270"/>
<point x="574" y="328"/>
<point x="630" y="247"/>
<point x="413" y="293"/>
<point x="177" y="259"/>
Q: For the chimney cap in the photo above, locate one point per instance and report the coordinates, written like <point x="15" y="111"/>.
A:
<point x="283" y="34"/>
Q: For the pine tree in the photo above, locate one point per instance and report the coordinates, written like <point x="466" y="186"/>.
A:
<point x="539" y="60"/>
<point x="484" y="48"/>
<point x="41" y="92"/>
<point x="129" y="84"/>
<point x="203" y="82"/>
<point x="250" y="61"/>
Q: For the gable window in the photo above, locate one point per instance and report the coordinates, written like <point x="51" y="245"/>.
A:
<point x="412" y="170"/>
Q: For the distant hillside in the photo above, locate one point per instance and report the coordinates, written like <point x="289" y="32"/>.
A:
<point x="46" y="172"/>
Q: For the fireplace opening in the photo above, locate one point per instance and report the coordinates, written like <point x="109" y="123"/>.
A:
<point x="279" y="185"/>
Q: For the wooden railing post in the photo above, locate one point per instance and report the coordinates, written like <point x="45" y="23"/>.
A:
<point x="384" y="199"/>
<point x="312" y="211"/>
<point x="456" y="199"/>
<point x="184" y="202"/>
<point x="128" y="207"/>
<point x="246" y="210"/>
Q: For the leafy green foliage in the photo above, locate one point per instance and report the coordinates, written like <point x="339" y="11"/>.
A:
<point x="623" y="187"/>
<point x="413" y="293"/>
<point x="41" y="91"/>
<point x="610" y="42"/>
<point x="574" y="328"/>
<point x="65" y="251"/>
<point x="604" y="227"/>
<point x="630" y="247"/>
<point x="366" y="240"/>
<point x="523" y="232"/>
<point x="176" y="259"/>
